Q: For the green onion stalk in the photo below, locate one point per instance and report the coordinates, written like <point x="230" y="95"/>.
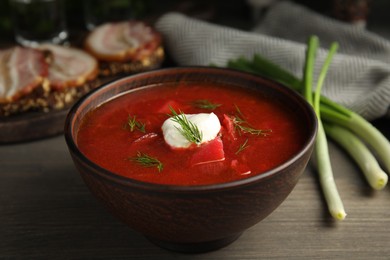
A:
<point x="332" y="197"/>
<point x="350" y="130"/>
<point x="363" y="157"/>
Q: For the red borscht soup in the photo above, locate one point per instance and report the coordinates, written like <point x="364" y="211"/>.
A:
<point x="125" y="136"/>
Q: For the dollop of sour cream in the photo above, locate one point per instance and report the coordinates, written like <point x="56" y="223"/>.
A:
<point x="208" y="125"/>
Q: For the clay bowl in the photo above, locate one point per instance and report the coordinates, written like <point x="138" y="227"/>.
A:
<point x="192" y="218"/>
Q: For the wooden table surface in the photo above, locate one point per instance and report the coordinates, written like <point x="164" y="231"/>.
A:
<point x="46" y="212"/>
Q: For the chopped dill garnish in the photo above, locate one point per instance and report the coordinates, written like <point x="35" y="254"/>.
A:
<point x="243" y="146"/>
<point x="189" y="130"/>
<point x="242" y="126"/>
<point x="205" y="104"/>
<point x="133" y="124"/>
<point x="147" y="161"/>
<point x="238" y="109"/>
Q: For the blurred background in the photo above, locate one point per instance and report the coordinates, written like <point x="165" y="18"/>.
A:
<point x="233" y="13"/>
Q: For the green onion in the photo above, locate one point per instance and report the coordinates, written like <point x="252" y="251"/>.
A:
<point x="308" y="69"/>
<point x="363" y="157"/>
<point x="364" y="129"/>
<point x="265" y="68"/>
<point x="332" y="197"/>
<point x="337" y="120"/>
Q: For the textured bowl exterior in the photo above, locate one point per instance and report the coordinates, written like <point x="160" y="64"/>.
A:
<point x="192" y="215"/>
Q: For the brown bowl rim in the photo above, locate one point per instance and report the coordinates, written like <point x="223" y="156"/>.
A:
<point x="106" y="174"/>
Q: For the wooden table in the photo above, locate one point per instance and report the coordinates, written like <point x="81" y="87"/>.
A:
<point x="46" y="212"/>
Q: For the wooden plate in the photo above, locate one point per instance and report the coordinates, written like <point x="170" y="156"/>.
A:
<point x="37" y="125"/>
<point x="31" y="126"/>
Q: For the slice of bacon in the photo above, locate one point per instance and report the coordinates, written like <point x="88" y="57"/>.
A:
<point x="69" y="67"/>
<point x="123" y="41"/>
<point x="22" y="70"/>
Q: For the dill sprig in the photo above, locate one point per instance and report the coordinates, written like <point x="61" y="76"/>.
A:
<point x="242" y="126"/>
<point x="189" y="130"/>
<point x="243" y="146"/>
<point x="205" y="104"/>
<point x="147" y="161"/>
<point x="133" y="124"/>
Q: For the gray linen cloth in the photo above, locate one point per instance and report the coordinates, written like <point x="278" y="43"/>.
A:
<point x="359" y="76"/>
